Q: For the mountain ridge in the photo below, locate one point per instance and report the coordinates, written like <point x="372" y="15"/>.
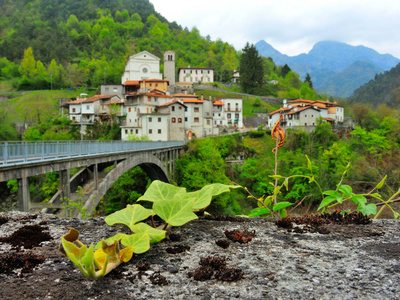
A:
<point x="327" y="59"/>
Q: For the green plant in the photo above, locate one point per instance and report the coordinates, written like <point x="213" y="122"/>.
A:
<point x="106" y="258"/>
<point x="174" y="205"/>
<point x="345" y="193"/>
<point x="70" y="206"/>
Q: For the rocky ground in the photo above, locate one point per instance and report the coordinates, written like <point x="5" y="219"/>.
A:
<point x="325" y="261"/>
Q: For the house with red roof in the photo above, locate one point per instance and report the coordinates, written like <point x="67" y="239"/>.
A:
<point x="304" y="114"/>
<point x="91" y="109"/>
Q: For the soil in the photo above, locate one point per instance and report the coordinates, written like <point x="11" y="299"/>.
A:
<point x="342" y="261"/>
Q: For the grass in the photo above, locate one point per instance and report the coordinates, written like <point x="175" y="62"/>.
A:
<point x="31" y="107"/>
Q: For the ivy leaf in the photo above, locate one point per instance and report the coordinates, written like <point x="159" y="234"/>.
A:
<point x="156" y="235"/>
<point x="129" y="216"/>
<point x="336" y="195"/>
<point x="175" y="212"/>
<point x="281" y="205"/>
<point x="259" y="211"/>
<point x="282" y="213"/>
<point x="380" y="184"/>
<point x="309" y="165"/>
<point x="286" y="183"/>
<point x="159" y="190"/>
<point x="117" y="237"/>
<point x="396" y="215"/>
<point x="369" y="209"/>
<point x="139" y="241"/>
<point x="359" y="199"/>
<point x="326" y="201"/>
<point x="346" y="190"/>
<point x="276" y="176"/>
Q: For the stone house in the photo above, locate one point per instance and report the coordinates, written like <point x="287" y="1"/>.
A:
<point x="303" y="114"/>
<point x="194" y="75"/>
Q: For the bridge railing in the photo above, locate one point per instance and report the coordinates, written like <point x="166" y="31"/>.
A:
<point x="22" y="152"/>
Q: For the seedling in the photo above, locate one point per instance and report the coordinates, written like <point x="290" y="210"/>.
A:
<point x="172" y="204"/>
<point x="108" y="257"/>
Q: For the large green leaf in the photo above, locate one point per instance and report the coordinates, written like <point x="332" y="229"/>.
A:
<point x="346" y="190"/>
<point x="159" y="190"/>
<point x="281" y="205"/>
<point x="327" y="201"/>
<point x="129" y="216"/>
<point x="369" y="209"/>
<point x="201" y="197"/>
<point x="139" y="241"/>
<point x="175" y="212"/>
<point x="156" y="235"/>
<point x="259" y="211"/>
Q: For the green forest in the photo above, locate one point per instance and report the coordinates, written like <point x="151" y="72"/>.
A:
<point x="69" y="44"/>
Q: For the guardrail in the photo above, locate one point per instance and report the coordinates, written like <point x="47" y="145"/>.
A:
<point x="22" y="152"/>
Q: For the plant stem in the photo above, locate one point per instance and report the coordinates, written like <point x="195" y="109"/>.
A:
<point x="276" y="166"/>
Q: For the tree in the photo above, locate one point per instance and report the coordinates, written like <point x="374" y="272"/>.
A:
<point x="251" y="69"/>
<point x="308" y="79"/>
<point x="28" y="64"/>
<point x="285" y="70"/>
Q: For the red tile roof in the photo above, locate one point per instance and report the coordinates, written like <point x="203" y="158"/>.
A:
<point x="91" y="99"/>
<point x="218" y="103"/>
<point x="170" y="103"/>
<point x="192" y="101"/>
<point x="299" y="109"/>
<point x="182" y="95"/>
<point x="131" y="82"/>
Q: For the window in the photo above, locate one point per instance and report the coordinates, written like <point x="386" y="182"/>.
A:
<point x="126" y="131"/>
<point x="305" y="116"/>
<point x="106" y="89"/>
<point x="208" y="122"/>
<point x="229" y="116"/>
<point x="73" y="118"/>
<point x="312" y="116"/>
<point x="137" y="131"/>
<point x="129" y="109"/>
<point x="185" y="108"/>
<point x="179" y="120"/>
<point x="87" y="107"/>
<point x="135" y="108"/>
<point x="305" y="124"/>
<point x="173" y="120"/>
<point x="173" y="108"/>
<point x="196" y="109"/>
<point x="150" y="119"/>
<point x="196" y="120"/>
<point x="115" y="90"/>
<point x="150" y="131"/>
<point x="159" y="120"/>
<point x="159" y="131"/>
<point x="236" y="116"/>
<point x="180" y="107"/>
<point x="149" y="98"/>
<point x="131" y="131"/>
<point x="73" y="110"/>
<point x="186" y="119"/>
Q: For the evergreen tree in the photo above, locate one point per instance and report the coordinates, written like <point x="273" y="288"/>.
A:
<point x="285" y="70"/>
<point x="308" y="80"/>
<point x="251" y="69"/>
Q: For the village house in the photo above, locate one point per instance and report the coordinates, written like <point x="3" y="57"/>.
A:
<point x="304" y="114"/>
<point x="86" y="111"/>
<point x="196" y="75"/>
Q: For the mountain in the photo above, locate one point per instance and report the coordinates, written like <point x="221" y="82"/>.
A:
<point x="329" y="63"/>
<point x="383" y="89"/>
<point x="346" y="81"/>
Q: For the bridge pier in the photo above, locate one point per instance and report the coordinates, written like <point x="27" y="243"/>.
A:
<point x="64" y="184"/>
<point x="24" y="195"/>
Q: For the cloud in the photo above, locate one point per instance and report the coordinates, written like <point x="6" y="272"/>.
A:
<point x="290" y="26"/>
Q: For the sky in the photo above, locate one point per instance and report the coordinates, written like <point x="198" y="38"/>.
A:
<point x="291" y="26"/>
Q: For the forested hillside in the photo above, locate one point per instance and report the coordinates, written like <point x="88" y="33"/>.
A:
<point x="384" y="88"/>
<point x="84" y="43"/>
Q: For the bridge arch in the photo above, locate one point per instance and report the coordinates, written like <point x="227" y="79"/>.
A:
<point x="153" y="167"/>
